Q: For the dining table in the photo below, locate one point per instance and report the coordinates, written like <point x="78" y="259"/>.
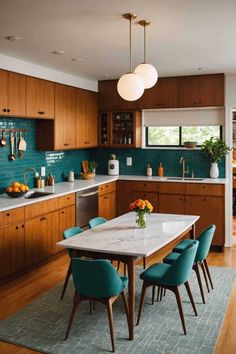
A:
<point x="120" y="239"/>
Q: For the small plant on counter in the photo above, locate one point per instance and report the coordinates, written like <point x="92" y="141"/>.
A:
<point x="92" y="165"/>
<point x="215" y="149"/>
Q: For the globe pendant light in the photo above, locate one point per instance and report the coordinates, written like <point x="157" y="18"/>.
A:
<point x="130" y="86"/>
<point x="146" y="71"/>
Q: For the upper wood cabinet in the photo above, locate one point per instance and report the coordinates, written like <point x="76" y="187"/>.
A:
<point x="202" y="90"/>
<point x="12" y="94"/>
<point x="109" y="99"/>
<point x="65" y="115"/>
<point x="165" y="94"/>
<point x="86" y="119"/>
<point x="39" y="98"/>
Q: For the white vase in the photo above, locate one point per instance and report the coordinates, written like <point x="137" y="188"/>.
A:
<point x="214" y="170"/>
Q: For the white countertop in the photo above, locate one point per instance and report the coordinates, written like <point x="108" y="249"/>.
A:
<point x="121" y="235"/>
<point x="63" y="188"/>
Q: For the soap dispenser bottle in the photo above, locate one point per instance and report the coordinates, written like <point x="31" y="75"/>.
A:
<point x="160" y="170"/>
<point x="149" y="170"/>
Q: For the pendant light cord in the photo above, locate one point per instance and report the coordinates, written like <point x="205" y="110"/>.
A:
<point x="145" y="45"/>
<point x="130" y="47"/>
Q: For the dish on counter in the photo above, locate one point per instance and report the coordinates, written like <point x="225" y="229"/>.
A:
<point x="190" y="144"/>
<point x="15" y="194"/>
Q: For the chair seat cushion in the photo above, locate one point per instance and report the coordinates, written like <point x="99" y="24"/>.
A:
<point x="155" y="273"/>
<point x="171" y="258"/>
<point x="182" y="245"/>
<point x="125" y="281"/>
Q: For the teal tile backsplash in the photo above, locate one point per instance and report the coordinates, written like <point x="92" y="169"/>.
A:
<point x="59" y="163"/>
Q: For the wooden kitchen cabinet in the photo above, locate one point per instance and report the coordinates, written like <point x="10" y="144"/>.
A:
<point x="124" y="196"/>
<point x="171" y="204"/>
<point x="39" y="98"/>
<point x="165" y="94"/>
<point x="67" y="220"/>
<point x="107" y="200"/>
<point x="86" y="119"/>
<point x="120" y="129"/>
<point x="202" y="90"/>
<point x="12" y="94"/>
<point x="12" y="243"/>
<point x="109" y="99"/>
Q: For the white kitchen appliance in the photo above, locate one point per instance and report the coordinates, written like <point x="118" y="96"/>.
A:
<point x="113" y="167"/>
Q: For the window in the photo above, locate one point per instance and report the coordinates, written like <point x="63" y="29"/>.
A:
<point x="176" y="136"/>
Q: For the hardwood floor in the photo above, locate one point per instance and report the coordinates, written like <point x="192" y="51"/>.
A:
<point x="23" y="290"/>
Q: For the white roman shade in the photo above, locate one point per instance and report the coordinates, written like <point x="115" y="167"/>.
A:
<point x="183" y="117"/>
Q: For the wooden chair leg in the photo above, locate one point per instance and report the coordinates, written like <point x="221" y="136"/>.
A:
<point x="178" y="299"/>
<point x="158" y="293"/>
<point x="118" y="266"/>
<point x="208" y="272"/>
<point x="153" y="293"/>
<point x="144" y="262"/>
<point x="196" y="269"/>
<point x="126" y="306"/>
<point x="164" y="292"/>
<point x="205" y="276"/>
<point x="76" y="303"/>
<point x="161" y="293"/>
<point x="190" y="297"/>
<point x="141" y="302"/>
<point x="125" y="269"/>
<point x="111" y="323"/>
<point x="66" y="280"/>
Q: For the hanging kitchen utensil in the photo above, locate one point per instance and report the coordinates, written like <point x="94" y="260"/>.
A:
<point x="3" y="140"/>
<point x="22" y="142"/>
<point x="20" y="146"/>
<point x="11" y="156"/>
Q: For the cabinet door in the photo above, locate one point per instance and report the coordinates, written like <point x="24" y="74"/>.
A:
<point x="189" y="91"/>
<point x="3" y="92"/>
<point x="109" y="99"/>
<point x="171" y="204"/>
<point x="104" y="129"/>
<point x="152" y="197"/>
<point x="86" y="119"/>
<point x="124" y="196"/>
<point x="107" y="206"/>
<point x="65" y="113"/>
<point x="17" y="93"/>
<point x="152" y="98"/>
<point x="41" y="235"/>
<point x="210" y="210"/>
<point x="126" y="129"/>
<point x="211" y="89"/>
<point x="11" y="249"/>
<point x="67" y="220"/>
<point x="39" y="98"/>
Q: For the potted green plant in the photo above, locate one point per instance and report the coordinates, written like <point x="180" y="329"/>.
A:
<point x="215" y="149"/>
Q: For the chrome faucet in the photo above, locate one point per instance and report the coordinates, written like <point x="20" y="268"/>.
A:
<point x="184" y="170"/>
<point x="36" y="174"/>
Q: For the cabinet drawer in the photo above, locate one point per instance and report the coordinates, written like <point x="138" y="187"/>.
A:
<point x="172" y="188"/>
<point x="11" y="216"/>
<point x="145" y="186"/>
<point x="205" y="189"/>
<point x="41" y="208"/>
<point x="66" y="200"/>
<point x="107" y="188"/>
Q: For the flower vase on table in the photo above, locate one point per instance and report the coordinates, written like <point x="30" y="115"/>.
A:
<point x="142" y="207"/>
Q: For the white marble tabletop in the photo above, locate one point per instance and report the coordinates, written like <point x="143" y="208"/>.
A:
<point x="121" y="235"/>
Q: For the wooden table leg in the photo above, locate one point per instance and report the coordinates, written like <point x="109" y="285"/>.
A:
<point x="192" y="232"/>
<point x="131" y="274"/>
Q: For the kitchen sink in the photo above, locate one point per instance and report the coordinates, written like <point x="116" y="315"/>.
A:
<point x="36" y="194"/>
<point x="184" y="179"/>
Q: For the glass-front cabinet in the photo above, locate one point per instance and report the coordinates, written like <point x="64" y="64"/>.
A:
<point x="120" y="129"/>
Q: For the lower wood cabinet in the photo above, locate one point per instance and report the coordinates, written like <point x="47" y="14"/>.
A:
<point x="171" y="204"/>
<point x="152" y="197"/>
<point x="107" y="200"/>
<point x="67" y="220"/>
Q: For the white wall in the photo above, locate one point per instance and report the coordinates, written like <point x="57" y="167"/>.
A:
<point x="230" y="103"/>
<point x="24" y="67"/>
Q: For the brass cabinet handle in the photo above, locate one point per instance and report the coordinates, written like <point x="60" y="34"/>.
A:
<point x="8" y="214"/>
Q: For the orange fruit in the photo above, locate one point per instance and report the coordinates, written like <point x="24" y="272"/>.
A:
<point x="16" y="189"/>
<point x="16" y="184"/>
<point x="22" y="188"/>
<point x="9" y="189"/>
<point x="26" y="188"/>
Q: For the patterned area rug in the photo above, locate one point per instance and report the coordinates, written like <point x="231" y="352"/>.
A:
<point x="41" y="325"/>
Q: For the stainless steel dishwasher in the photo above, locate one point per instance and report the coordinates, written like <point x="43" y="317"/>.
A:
<point x="86" y="206"/>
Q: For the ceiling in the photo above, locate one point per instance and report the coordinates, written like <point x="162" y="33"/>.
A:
<point x="185" y="37"/>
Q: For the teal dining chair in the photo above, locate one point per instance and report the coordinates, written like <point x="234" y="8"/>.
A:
<point x="72" y="231"/>
<point x="96" y="221"/>
<point x="204" y="239"/>
<point x="170" y="277"/>
<point x="97" y="280"/>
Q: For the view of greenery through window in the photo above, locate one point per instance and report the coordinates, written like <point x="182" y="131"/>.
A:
<point x="176" y="136"/>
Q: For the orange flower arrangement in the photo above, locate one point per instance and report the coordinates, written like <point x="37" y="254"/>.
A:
<point x="141" y="207"/>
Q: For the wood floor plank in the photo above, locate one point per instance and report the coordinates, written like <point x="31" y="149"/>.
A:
<point x="19" y="292"/>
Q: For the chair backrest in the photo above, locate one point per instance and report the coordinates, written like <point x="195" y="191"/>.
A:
<point x="204" y="239"/>
<point x="180" y="270"/>
<point x="96" y="278"/>
<point x="72" y="231"/>
<point x="96" y="221"/>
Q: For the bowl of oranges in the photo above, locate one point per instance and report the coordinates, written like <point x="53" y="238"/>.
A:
<point x="17" y="190"/>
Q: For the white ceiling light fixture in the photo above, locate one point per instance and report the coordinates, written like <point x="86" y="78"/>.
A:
<point x="130" y="86"/>
<point x="58" y="52"/>
<point x="146" y="71"/>
<point x="13" y="38"/>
